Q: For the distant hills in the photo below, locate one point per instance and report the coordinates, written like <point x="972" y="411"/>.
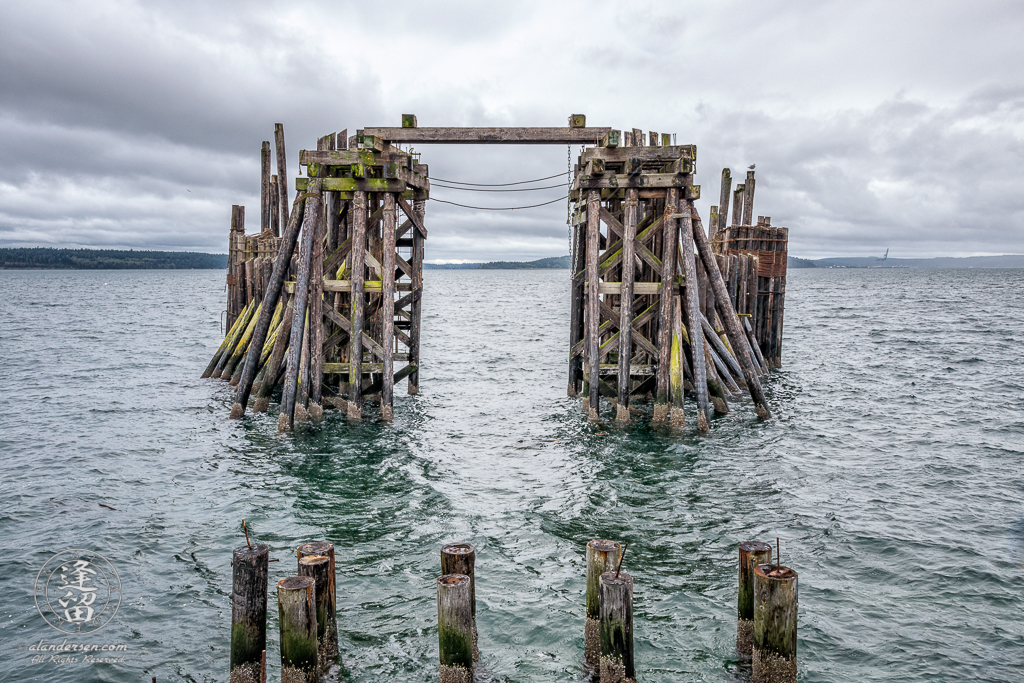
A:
<point x="106" y="259"/>
<point x="1005" y="261"/>
<point x="553" y="262"/>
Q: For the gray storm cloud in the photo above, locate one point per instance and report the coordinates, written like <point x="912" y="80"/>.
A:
<point x="138" y="125"/>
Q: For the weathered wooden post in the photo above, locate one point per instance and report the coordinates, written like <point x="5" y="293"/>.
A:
<point x="318" y="567"/>
<point x="748" y="199"/>
<point x="296" y="605"/>
<point x="325" y="549"/>
<point x="248" y="611"/>
<point x="602" y="556"/>
<point x="626" y="300"/>
<point x="592" y="401"/>
<point x="455" y="628"/>
<point x="282" y="172"/>
<point x="617" y="628"/>
<point x="723" y="205"/>
<point x="460" y="558"/>
<point x="775" y="618"/>
<point x="752" y="554"/>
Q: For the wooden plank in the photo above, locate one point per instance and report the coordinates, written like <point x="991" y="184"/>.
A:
<point x="593" y="300"/>
<point x="626" y="303"/>
<point x="639" y="288"/>
<point x="316" y="321"/>
<point x="369" y="286"/>
<point x="490" y="136"/>
<point x="388" y="307"/>
<point x="645" y="154"/>
<point x="614" y="181"/>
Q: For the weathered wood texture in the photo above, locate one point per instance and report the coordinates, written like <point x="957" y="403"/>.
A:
<point x="299" y="318"/>
<point x="751" y="554"/>
<point x="617" y="664"/>
<point x="602" y="556"/>
<point x="478" y="136"/>
<point x="249" y="570"/>
<point x="282" y="168"/>
<point x="775" y="624"/>
<point x="270" y="299"/>
<point x="460" y="558"/>
<point x="321" y="569"/>
<point x="455" y="629"/>
<point x="296" y="607"/>
<point x="357" y="266"/>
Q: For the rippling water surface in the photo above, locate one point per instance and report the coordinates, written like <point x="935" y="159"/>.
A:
<point x="892" y="473"/>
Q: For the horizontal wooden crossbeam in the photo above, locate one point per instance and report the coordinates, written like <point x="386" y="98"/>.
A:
<point x="490" y="136"/>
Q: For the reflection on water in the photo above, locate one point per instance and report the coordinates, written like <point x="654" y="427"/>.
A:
<point x="892" y="474"/>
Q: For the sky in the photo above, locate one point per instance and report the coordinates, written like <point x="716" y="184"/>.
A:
<point x="873" y="125"/>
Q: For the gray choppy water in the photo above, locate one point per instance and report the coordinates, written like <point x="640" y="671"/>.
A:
<point x="892" y="472"/>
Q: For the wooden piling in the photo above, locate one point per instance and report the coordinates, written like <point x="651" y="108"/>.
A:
<point x="775" y="624"/>
<point x="357" y="267"/>
<point x="416" y="307"/>
<point x="617" y="665"/>
<point x="693" y="328"/>
<point x="670" y="241"/>
<point x="316" y="325"/>
<point x="576" y="315"/>
<point x="319" y="568"/>
<point x="723" y="205"/>
<point x="728" y="316"/>
<point x="311" y="215"/>
<point x="265" y="187"/>
<point x="270" y="298"/>
<point x="677" y="416"/>
<point x="626" y="302"/>
<point x="748" y="199"/>
<point x="249" y="570"/>
<point x="592" y="403"/>
<point x="460" y="558"/>
<point x="296" y="606"/>
<point x="274" y="363"/>
<point x="388" y="225"/>
<point x="454" y="629"/>
<point x="282" y="170"/>
<point x="752" y="554"/>
<point x="602" y="556"/>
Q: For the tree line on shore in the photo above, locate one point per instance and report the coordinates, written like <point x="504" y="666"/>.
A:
<point x="106" y="259"/>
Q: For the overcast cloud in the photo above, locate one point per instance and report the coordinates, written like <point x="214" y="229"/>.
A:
<point x="873" y="125"/>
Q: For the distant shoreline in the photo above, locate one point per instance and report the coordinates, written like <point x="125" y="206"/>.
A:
<point x="42" y="258"/>
<point x="1004" y="261"/>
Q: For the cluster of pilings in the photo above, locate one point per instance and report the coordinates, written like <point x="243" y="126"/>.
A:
<point x="766" y="625"/>
<point x="307" y="612"/>
<point x="325" y="307"/>
<point x="659" y="306"/>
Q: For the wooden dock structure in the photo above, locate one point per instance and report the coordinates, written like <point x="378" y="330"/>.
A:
<point x="325" y="301"/>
